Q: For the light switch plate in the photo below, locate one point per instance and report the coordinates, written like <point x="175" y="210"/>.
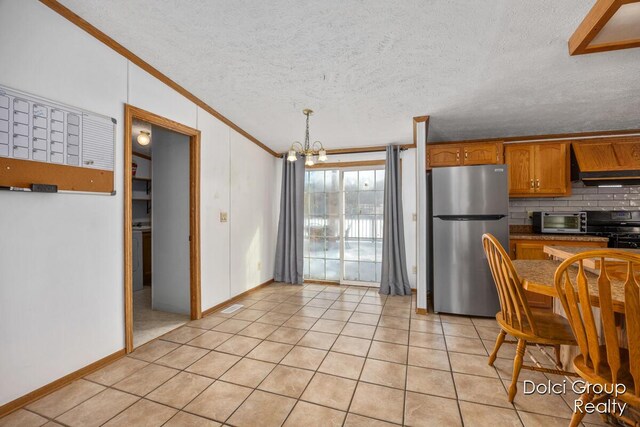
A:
<point x="223" y="217"/>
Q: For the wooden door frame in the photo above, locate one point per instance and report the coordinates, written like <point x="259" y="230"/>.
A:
<point x="130" y="113"/>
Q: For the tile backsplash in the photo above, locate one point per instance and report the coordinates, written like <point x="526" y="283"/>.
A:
<point x="583" y="198"/>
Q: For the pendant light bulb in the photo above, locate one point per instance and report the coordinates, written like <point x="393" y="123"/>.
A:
<point x="322" y="155"/>
<point x="144" y="138"/>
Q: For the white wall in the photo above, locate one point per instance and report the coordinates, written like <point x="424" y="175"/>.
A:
<point x="253" y="231"/>
<point x="61" y="260"/>
<point x="408" y="196"/>
<point x="214" y="198"/>
<point x="170" y="218"/>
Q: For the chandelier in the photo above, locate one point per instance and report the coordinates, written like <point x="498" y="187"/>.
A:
<point x="309" y="151"/>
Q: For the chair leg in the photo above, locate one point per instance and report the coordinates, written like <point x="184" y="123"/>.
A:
<point x="499" y="342"/>
<point x="517" y="365"/>
<point x="557" y="351"/>
<point x="579" y="415"/>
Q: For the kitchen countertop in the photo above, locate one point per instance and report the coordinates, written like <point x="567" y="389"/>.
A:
<point x="565" y="237"/>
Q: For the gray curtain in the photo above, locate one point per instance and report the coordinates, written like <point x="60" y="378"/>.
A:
<point x="394" y="279"/>
<point x="289" y="261"/>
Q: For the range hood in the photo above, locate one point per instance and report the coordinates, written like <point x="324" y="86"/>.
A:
<point x="606" y="161"/>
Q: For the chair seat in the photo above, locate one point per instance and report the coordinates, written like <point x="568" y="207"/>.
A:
<point x="604" y="374"/>
<point x="551" y="328"/>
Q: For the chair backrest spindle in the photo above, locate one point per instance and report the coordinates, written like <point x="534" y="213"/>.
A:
<point x="632" y="313"/>
<point x="572" y="286"/>
<point x="513" y="301"/>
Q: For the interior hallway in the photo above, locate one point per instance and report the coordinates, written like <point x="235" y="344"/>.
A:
<point x="309" y="355"/>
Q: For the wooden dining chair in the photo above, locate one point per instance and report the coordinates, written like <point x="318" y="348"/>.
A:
<point x="516" y="318"/>
<point x="602" y="360"/>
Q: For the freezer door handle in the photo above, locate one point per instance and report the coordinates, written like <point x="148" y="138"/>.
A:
<point x="470" y="217"/>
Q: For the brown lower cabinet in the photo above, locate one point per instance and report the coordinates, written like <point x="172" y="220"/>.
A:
<point x="534" y="249"/>
<point x="146" y="258"/>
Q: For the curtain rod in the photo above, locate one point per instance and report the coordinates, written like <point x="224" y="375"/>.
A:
<point x="358" y="150"/>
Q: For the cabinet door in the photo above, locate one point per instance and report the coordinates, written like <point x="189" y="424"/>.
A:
<point x="519" y="157"/>
<point x="608" y="154"/>
<point x="482" y="154"/>
<point x="443" y="155"/>
<point x="530" y="251"/>
<point x="628" y="153"/>
<point x="552" y="169"/>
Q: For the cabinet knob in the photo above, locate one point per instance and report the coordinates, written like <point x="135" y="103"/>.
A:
<point x="466" y="154"/>
<point x="532" y="183"/>
<point x="537" y="183"/>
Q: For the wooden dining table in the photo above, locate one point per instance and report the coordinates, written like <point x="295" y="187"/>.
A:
<point x="538" y="275"/>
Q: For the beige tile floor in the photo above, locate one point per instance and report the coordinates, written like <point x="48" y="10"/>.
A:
<point x="148" y="323"/>
<point x="308" y="356"/>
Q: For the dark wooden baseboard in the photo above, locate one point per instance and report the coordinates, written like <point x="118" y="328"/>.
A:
<point x="20" y="402"/>
<point x="236" y="298"/>
<point x="421" y="311"/>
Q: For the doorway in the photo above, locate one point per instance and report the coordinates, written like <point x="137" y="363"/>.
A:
<point x="174" y="190"/>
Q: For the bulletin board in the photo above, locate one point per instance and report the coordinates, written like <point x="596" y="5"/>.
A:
<point x="47" y="142"/>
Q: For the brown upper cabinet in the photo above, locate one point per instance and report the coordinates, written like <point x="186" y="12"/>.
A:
<point x="542" y="170"/>
<point x="477" y="153"/>
<point x="609" y="154"/>
<point x="443" y="155"/>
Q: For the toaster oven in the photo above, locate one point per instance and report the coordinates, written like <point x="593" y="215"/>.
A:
<point x="560" y="222"/>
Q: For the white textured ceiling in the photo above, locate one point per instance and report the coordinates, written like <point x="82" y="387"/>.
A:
<point x="480" y="69"/>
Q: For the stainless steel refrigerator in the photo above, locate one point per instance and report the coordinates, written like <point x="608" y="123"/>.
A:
<point x="466" y="202"/>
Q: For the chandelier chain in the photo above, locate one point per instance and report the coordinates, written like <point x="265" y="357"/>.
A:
<point x="306" y="136"/>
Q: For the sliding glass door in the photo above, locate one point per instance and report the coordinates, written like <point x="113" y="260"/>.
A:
<point x="322" y="212"/>
<point x="343" y="225"/>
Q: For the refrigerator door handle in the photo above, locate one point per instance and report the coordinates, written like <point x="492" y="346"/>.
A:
<point x="470" y="217"/>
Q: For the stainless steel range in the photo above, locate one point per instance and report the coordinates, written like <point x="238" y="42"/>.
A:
<point x="621" y="227"/>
